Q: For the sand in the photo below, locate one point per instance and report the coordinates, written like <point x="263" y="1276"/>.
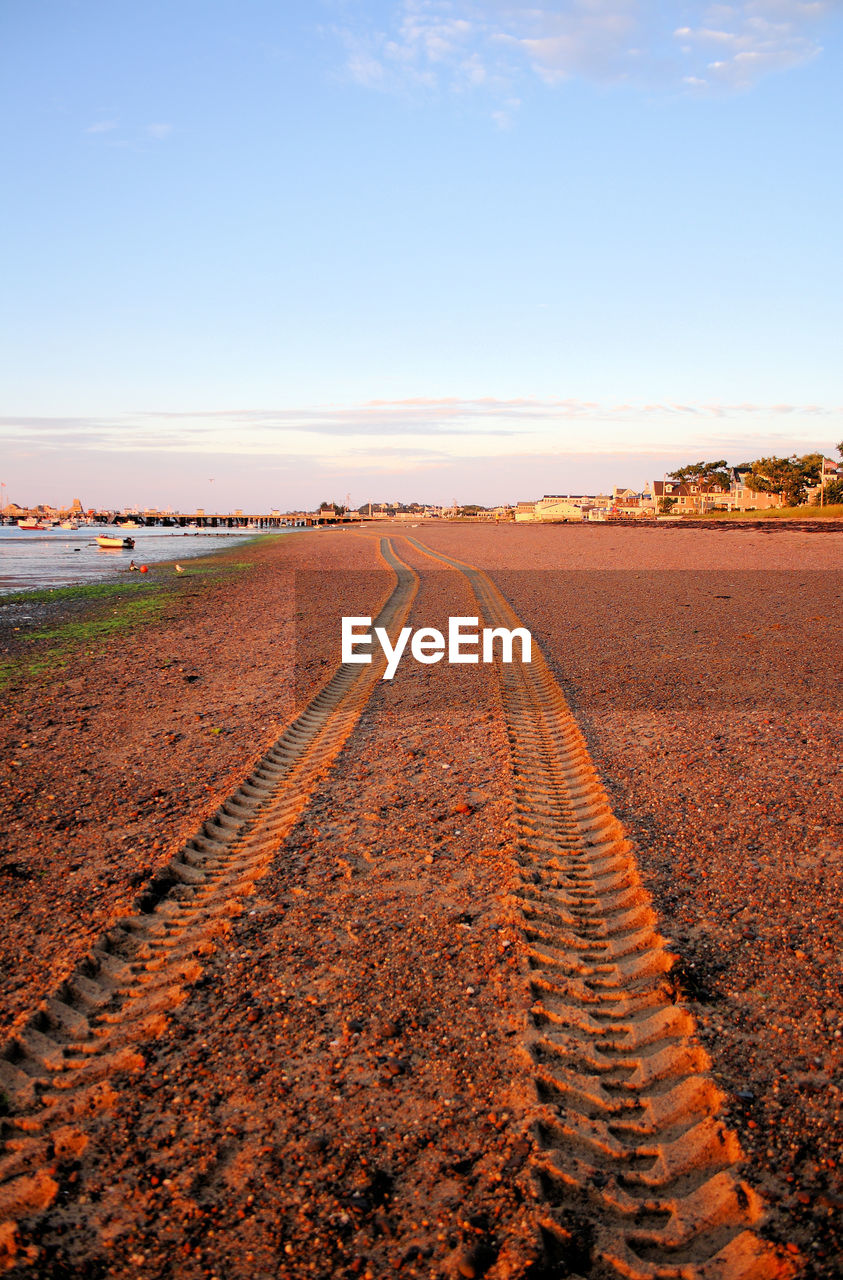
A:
<point x="342" y="1091"/>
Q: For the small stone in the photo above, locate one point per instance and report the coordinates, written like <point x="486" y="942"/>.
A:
<point x="464" y="1263"/>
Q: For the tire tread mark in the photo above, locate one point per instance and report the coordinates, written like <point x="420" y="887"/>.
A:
<point x="54" y="1071"/>
<point x="632" y="1147"/>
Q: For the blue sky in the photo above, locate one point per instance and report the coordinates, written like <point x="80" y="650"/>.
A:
<point x="260" y="253"/>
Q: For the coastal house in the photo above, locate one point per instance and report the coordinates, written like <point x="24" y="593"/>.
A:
<point x="378" y="510"/>
<point x="745" y="499"/>
<point x="632" y="503"/>
<point x="558" y="508"/>
<point x="554" y="507"/>
<point x="695" y="499"/>
<point x="691" y="499"/>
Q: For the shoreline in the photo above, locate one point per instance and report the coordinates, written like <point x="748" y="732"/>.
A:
<point x="654" y="662"/>
<point x="74" y="594"/>
<point x="96" y="566"/>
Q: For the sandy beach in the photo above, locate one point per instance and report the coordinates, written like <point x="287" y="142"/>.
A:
<point x="339" y="1084"/>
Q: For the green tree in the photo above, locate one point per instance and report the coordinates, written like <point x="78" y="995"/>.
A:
<point x="832" y="492"/>
<point x="788" y="476"/>
<point x="666" y="505"/>
<point x="708" y="475"/>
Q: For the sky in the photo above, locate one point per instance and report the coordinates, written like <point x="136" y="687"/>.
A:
<point x="263" y="253"/>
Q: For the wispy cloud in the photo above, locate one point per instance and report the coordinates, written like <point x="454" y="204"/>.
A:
<point x="604" y="41"/>
<point x="485" y="449"/>
<point x="736" y="45"/>
<point x="129" y="136"/>
<point x="426" y="44"/>
<point x="416" y="428"/>
<point x="488" y="45"/>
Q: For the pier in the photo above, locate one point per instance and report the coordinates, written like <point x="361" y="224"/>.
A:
<point x="187" y="520"/>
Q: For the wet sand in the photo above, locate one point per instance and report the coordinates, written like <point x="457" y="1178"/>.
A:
<point x="342" y="1093"/>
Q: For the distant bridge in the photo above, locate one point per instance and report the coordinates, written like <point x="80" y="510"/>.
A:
<point x="225" y="519"/>
<point x="187" y="520"/>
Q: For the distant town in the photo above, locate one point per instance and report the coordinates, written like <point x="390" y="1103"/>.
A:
<point x="694" y="490"/>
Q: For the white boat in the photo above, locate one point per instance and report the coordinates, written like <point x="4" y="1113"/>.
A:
<point x="110" y="541"/>
<point x="69" y="524"/>
<point x="31" y="522"/>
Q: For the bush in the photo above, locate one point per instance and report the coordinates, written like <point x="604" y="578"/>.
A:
<point x="832" y="493"/>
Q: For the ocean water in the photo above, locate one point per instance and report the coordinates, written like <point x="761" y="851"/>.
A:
<point x="60" y="557"/>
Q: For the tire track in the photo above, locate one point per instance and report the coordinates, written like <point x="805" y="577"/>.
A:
<point x="56" y="1070"/>
<point x="637" y="1171"/>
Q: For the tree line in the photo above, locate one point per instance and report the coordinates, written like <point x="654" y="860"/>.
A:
<point x="791" y="477"/>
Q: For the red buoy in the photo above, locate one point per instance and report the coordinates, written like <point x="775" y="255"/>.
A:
<point x="144" y="569"/>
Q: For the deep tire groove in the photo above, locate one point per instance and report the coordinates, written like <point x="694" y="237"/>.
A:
<point x="54" y="1071"/>
<point x="637" y="1171"/>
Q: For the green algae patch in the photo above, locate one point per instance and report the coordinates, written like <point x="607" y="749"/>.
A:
<point x="80" y="591"/>
<point x="129" y="614"/>
<point x="46" y="650"/>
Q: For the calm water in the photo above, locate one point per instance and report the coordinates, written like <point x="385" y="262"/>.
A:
<point x="59" y="557"/>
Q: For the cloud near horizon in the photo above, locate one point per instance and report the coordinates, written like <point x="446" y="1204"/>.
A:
<point x="464" y="45"/>
<point x="447" y="427"/>
<point x="259" y="482"/>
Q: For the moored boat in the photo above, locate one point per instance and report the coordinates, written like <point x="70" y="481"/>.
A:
<point x="30" y="523"/>
<point x="111" y="541"/>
